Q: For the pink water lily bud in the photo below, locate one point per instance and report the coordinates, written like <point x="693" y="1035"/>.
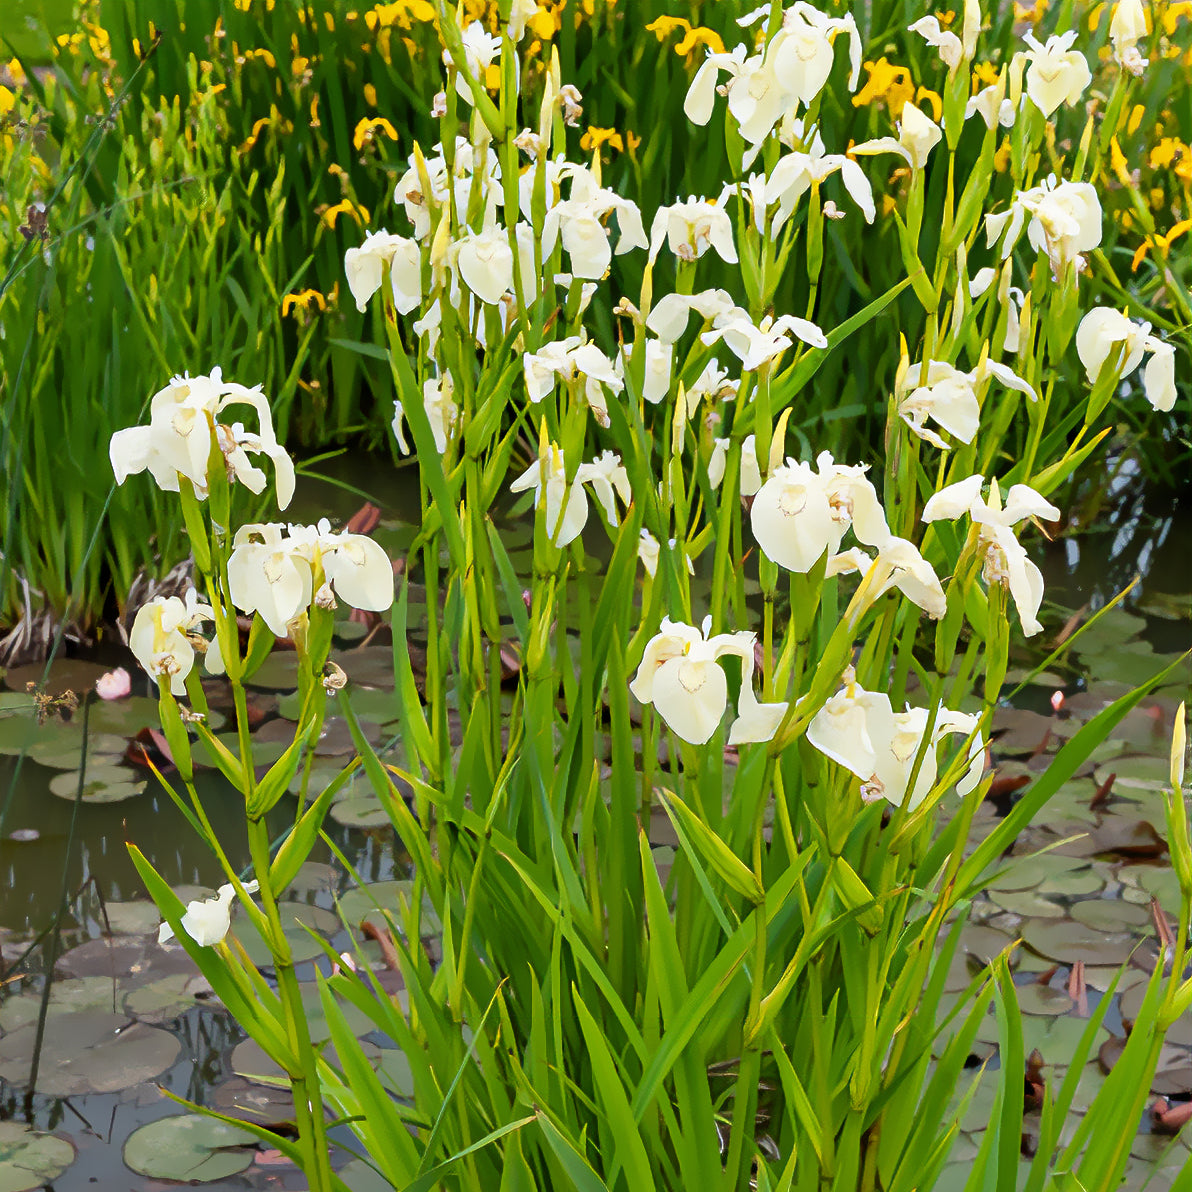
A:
<point x="116" y="684"/>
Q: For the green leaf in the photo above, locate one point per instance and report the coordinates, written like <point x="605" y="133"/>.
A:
<point x="630" y="1152"/>
<point x="735" y="873"/>
<point x="578" y="1169"/>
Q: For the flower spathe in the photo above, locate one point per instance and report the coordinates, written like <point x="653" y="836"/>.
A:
<point x="207" y="921"/>
<point x="183" y="417"/>
<point x="860" y="731"/>
<point x="1103" y="331"/>
<point x="163" y="639"/>
<point x="1004" y="558"/>
<point x="681" y="676"/>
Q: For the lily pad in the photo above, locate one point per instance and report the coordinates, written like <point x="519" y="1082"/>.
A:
<point x="91" y="1051"/>
<point x="30" y="1159"/>
<point x="125" y="717"/>
<point x="67" y="997"/>
<point x="250" y="1062"/>
<point x="360" y="1177"/>
<point x="164" y="999"/>
<point x="137" y="917"/>
<point x="189" y="1148"/>
<point x="371" y="902"/>
<point x="1066" y="941"/>
<point x="1136" y="774"/>
<point x="1025" y="873"/>
<point x="101" y="784"/>
<point x="296" y="917"/>
<point x="362" y="809"/>
<point x="1042" y="999"/>
<point x="1110" y="914"/>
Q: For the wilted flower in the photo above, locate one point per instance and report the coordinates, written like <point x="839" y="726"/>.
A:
<point x="566" y="504"/>
<point x="860" y="730"/>
<point x="207" y="921"/>
<point x="1102" y="331"/>
<point x="1005" y="559"/>
<point x="1057" y="74"/>
<point x="177" y="442"/>
<point x="163" y="639"/>
<point x="679" y="674"/>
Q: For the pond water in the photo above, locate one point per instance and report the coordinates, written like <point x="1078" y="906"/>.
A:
<point x="1088" y="900"/>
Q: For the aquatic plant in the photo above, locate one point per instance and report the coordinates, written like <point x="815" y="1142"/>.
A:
<point x="760" y="1007"/>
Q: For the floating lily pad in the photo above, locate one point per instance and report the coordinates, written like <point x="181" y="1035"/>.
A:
<point x="369" y="666"/>
<point x="91" y="1051"/>
<point x="315" y="877"/>
<point x="1025" y="873"/>
<point x="1067" y="941"/>
<point x="361" y="810"/>
<point x="137" y="917"/>
<point x="164" y="999"/>
<point x="67" y="997"/>
<point x="110" y="958"/>
<point x="1043" y="999"/>
<point x="360" y="1177"/>
<point x="125" y="717"/>
<point x="1136" y="773"/>
<point x="1110" y="914"/>
<point x="250" y="1062"/>
<point x="1027" y="903"/>
<point x="279" y="672"/>
<point x="30" y="1159"/>
<point x="358" y="1022"/>
<point x="296" y="917"/>
<point x="101" y="784"/>
<point x="189" y="1148"/>
<point x="370" y="902"/>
